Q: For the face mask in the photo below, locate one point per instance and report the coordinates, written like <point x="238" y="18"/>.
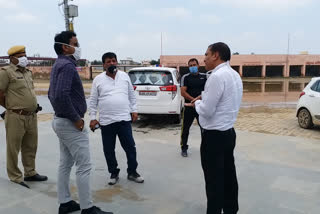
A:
<point x="22" y="61"/>
<point x="77" y="51"/>
<point x="112" y="69"/>
<point x="193" y="69"/>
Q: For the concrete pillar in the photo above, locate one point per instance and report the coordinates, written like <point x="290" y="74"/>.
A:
<point x="303" y="70"/>
<point x="240" y="70"/>
<point x="263" y="73"/>
<point x="285" y="71"/>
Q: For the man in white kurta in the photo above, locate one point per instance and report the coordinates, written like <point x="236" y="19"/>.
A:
<point x="112" y="96"/>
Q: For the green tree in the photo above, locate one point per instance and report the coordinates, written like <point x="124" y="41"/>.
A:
<point x="155" y="62"/>
<point x="96" y="62"/>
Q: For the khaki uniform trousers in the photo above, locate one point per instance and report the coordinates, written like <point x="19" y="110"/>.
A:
<point x="21" y="134"/>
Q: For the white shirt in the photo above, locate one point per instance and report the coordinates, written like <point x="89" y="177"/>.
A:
<point x="221" y="99"/>
<point x="113" y="98"/>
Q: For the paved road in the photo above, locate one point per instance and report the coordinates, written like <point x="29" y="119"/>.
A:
<point x="277" y="174"/>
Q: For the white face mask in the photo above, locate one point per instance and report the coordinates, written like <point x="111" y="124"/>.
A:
<point x="22" y="61"/>
<point x="77" y="51"/>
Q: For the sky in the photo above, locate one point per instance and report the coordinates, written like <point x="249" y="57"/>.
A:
<point x="133" y="28"/>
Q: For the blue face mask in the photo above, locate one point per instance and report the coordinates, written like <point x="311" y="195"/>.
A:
<point x="193" y="69"/>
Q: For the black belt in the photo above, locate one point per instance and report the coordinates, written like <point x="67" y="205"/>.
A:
<point x="22" y="112"/>
<point x="217" y="131"/>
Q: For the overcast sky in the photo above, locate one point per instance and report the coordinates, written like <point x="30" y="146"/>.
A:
<point x="132" y="28"/>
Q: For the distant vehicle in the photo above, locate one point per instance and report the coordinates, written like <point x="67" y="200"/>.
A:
<point x="308" y="108"/>
<point x="157" y="91"/>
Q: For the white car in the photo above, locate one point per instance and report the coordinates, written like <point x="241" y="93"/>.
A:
<point x="157" y="91"/>
<point x="308" y="108"/>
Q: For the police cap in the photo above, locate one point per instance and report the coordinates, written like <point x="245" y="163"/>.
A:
<point x="16" y="49"/>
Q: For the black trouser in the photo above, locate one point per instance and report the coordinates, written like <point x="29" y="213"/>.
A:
<point x="219" y="171"/>
<point x="124" y="131"/>
<point x="189" y="113"/>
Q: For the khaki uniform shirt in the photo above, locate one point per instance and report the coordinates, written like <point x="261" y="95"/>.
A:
<point x="17" y="84"/>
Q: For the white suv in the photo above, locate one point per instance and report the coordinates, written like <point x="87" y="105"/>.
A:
<point x="308" y="108"/>
<point x="157" y="91"/>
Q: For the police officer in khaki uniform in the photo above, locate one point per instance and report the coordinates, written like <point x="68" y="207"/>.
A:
<point x="18" y="97"/>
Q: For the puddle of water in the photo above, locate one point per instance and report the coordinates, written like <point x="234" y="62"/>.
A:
<point x="273" y="86"/>
<point x="50" y="189"/>
<point x="274" y="92"/>
<point x="281" y="92"/>
<point x="276" y="85"/>
<point x="102" y="195"/>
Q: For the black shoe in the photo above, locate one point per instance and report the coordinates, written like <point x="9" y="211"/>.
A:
<point x="135" y="177"/>
<point x="24" y="184"/>
<point x="94" y="210"/>
<point x="36" y="177"/>
<point x="69" y="207"/>
<point x="184" y="153"/>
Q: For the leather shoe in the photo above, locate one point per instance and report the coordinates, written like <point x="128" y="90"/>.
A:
<point x="24" y="184"/>
<point x="94" y="210"/>
<point x="69" y="207"/>
<point x="36" y="177"/>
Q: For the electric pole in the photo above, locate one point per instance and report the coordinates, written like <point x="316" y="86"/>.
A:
<point x="70" y="11"/>
<point x="66" y="14"/>
<point x="161" y="44"/>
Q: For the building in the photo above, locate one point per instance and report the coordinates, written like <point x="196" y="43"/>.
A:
<point x="303" y="65"/>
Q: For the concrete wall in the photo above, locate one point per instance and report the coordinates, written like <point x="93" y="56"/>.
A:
<point x="253" y="60"/>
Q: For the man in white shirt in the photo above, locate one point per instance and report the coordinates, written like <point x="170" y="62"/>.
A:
<point x="112" y="94"/>
<point x="218" y="108"/>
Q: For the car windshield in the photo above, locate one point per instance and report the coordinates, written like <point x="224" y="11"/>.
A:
<point x="151" y="77"/>
<point x="316" y="86"/>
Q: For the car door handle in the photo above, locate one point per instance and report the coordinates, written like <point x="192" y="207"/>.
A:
<point x="311" y="95"/>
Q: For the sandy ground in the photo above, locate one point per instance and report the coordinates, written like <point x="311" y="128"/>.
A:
<point x="45" y="84"/>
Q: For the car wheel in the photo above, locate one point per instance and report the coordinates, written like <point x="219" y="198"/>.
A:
<point x="177" y="119"/>
<point x="304" y="119"/>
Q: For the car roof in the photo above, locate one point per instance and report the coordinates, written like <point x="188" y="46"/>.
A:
<point x="316" y="78"/>
<point x="153" y="69"/>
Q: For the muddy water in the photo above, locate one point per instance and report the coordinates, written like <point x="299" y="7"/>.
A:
<point x="256" y="92"/>
<point x="272" y="92"/>
<point x="101" y="195"/>
<point x="106" y="195"/>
